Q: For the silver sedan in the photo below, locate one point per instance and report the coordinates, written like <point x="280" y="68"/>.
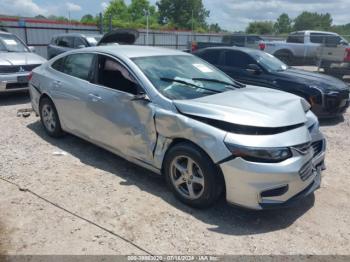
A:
<point x="16" y="62"/>
<point x="178" y="116"/>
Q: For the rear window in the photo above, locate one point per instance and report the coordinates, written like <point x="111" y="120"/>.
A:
<point x="296" y="38"/>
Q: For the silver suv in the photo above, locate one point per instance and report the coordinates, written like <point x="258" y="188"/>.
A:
<point x="16" y="63"/>
<point x="66" y="42"/>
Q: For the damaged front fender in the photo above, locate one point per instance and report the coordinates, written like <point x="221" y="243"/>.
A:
<point x="172" y="125"/>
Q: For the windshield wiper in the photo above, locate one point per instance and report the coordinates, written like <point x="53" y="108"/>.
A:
<point x="188" y="84"/>
<point x="235" y="84"/>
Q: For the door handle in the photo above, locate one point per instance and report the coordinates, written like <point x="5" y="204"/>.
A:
<point x="95" y="98"/>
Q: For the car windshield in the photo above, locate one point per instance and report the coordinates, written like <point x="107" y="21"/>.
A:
<point x="184" y="76"/>
<point x="93" y="40"/>
<point x="269" y="62"/>
<point x="10" y="43"/>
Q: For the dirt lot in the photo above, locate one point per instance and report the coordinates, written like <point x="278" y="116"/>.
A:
<point x="89" y="201"/>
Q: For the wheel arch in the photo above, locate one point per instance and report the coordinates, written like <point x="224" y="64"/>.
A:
<point x="180" y="140"/>
<point x="283" y="50"/>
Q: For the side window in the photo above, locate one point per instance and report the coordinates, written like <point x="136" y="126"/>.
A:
<point x="332" y="40"/>
<point x="78" y="65"/>
<point x="238" y="59"/>
<point x="238" y="40"/>
<point x="66" y="41"/>
<point x="296" y="38"/>
<point x="79" y="42"/>
<point x="62" y="41"/>
<point x="54" y="40"/>
<point x="252" y="39"/>
<point x="110" y="73"/>
<point x="211" y="56"/>
<point x="58" y="64"/>
<point x="317" y="38"/>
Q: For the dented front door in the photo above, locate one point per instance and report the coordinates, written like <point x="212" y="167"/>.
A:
<point x="122" y="124"/>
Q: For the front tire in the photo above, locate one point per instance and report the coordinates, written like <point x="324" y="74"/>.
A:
<point x="49" y="118"/>
<point x="192" y="176"/>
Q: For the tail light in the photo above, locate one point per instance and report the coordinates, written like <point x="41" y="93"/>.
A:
<point x="30" y="75"/>
<point x="262" y="46"/>
<point x="194" y="46"/>
<point x="347" y="55"/>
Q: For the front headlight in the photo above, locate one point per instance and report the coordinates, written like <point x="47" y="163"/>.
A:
<point x="260" y="154"/>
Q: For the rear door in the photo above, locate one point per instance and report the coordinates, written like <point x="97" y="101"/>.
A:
<point x="70" y="87"/>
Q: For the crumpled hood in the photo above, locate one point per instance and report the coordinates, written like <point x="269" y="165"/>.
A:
<point x="20" y="58"/>
<point x="249" y="106"/>
<point x="320" y="80"/>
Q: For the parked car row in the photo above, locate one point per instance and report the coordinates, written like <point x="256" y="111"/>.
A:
<point x="327" y="50"/>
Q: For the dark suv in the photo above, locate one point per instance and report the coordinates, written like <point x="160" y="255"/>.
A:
<point x="66" y="42"/>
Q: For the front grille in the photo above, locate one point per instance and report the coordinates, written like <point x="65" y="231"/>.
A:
<point x="9" y="69"/>
<point x="306" y="171"/>
<point x="16" y="85"/>
<point x="303" y="148"/>
<point x="29" y="67"/>
<point x="333" y="102"/>
<point x="16" y="68"/>
<point x="317" y="146"/>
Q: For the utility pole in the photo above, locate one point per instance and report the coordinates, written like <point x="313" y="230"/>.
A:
<point x="147" y="25"/>
<point x="192" y="26"/>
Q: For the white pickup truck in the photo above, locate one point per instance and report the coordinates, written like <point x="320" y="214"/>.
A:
<point x="307" y="47"/>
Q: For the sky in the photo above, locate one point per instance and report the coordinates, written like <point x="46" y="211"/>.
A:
<point x="233" y="15"/>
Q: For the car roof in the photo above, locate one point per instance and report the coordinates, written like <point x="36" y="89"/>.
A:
<point x="132" y="51"/>
<point x="237" y="48"/>
<point x="76" y="34"/>
<point x="314" y="31"/>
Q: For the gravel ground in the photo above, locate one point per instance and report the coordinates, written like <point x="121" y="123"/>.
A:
<point x="89" y="201"/>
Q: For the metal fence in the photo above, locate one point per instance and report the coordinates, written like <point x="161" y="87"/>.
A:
<point x="38" y="33"/>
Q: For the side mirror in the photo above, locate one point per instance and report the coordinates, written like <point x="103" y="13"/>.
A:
<point x="254" y="69"/>
<point x="31" y="49"/>
<point x="343" y="43"/>
<point x="141" y="96"/>
<point x="81" y="46"/>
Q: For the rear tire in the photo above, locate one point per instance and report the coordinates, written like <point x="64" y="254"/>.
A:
<point x="49" y="118"/>
<point x="192" y="176"/>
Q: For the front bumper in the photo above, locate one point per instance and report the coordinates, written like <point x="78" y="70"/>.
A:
<point x="14" y="82"/>
<point x="247" y="182"/>
<point x="332" y="105"/>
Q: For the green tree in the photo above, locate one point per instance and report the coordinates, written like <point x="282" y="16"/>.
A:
<point x="88" y="18"/>
<point x="260" y="27"/>
<point x="215" y="28"/>
<point x="283" y="24"/>
<point x="40" y="17"/>
<point x="118" y="10"/>
<point x="313" y="21"/>
<point x="138" y="8"/>
<point x="58" y="18"/>
<point x="183" y="14"/>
